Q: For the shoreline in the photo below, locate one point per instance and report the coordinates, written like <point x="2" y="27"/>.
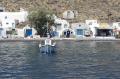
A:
<point x="59" y="39"/>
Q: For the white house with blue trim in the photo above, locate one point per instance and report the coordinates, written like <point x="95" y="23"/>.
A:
<point x="80" y="29"/>
<point x="29" y="31"/>
<point x="60" y="26"/>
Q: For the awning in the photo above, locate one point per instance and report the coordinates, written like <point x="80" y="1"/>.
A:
<point x="104" y="26"/>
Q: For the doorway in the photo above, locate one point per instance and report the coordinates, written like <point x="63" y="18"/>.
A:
<point x="104" y="32"/>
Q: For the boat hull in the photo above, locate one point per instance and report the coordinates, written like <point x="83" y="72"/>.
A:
<point x="48" y="49"/>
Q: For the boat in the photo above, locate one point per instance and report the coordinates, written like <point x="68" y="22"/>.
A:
<point x="48" y="47"/>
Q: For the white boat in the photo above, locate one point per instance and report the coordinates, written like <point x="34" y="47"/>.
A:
<point x="48" y="47"/>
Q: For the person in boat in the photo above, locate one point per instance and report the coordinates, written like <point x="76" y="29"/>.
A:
<point x="48" y="41"/>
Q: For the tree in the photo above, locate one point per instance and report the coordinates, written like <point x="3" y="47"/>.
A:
<point x="39" y="19"/>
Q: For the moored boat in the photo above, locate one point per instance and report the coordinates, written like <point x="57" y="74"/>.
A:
<point x="48" y="47"/>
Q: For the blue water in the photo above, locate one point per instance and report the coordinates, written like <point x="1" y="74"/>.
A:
<point x="73" y="60"/>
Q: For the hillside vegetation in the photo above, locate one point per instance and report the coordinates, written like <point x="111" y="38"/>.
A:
<point x="103" y="10"/>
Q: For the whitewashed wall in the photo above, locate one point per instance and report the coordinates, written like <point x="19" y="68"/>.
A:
<point x="61" y="25"/>
<point x="2" y="32"/>
<point x="116" y="25"/>
<point x="69" y="14"/>
<point x="92" y="24"/>
<point x="8" y="18"/>
<point x="20" y="32"/>
<point x="21" y="16"/>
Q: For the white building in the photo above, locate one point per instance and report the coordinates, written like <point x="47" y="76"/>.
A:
<point x="2" y="32"/>
<point x="26" y="32"/>
<point x="69" y="14"/>
<point x="116" y="27"/>
<point x="8" y="23"/>
<point x="80" y="29"/>
<point x="8" y="19"/>
<point x="60" y="26"/>
<point x="93" y="24"/>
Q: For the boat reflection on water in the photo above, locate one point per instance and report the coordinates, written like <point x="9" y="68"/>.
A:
<point x="48" y="47"/>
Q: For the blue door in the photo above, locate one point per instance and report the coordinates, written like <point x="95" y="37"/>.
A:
<point x="28" y="32"/>
<point x="79" y="32"/>
<point x="54" y="33"/>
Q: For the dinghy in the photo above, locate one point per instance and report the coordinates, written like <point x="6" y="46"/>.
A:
<point x="48" y="47"/>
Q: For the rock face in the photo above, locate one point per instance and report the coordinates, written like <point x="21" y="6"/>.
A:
<point x="103" y="10"/>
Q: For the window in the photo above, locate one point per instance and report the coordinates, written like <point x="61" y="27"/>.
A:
<point x="90" y="23"/>
<point x="7" y="23"/>
<point x="5" y="17"/>
<point x="79" y="31"/>
<point x="65" y="25"/>
<point x="68" y="14"/>
<point x="79" y="25"/>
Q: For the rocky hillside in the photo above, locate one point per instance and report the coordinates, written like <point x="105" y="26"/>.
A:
<point x="103" y="10"/>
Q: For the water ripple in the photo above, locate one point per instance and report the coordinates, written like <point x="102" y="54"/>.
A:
<point x="73" y="60"/>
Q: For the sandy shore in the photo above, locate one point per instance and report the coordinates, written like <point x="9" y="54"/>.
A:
<point x="62" y="39"/>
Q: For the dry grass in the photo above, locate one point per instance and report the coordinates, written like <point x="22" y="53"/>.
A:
<point x="87" y="9"/>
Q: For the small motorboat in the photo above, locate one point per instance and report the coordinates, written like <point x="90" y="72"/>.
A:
<point x="48" y="47"/>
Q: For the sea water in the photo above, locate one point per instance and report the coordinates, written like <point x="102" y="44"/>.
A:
<point x="73" y="60"/>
